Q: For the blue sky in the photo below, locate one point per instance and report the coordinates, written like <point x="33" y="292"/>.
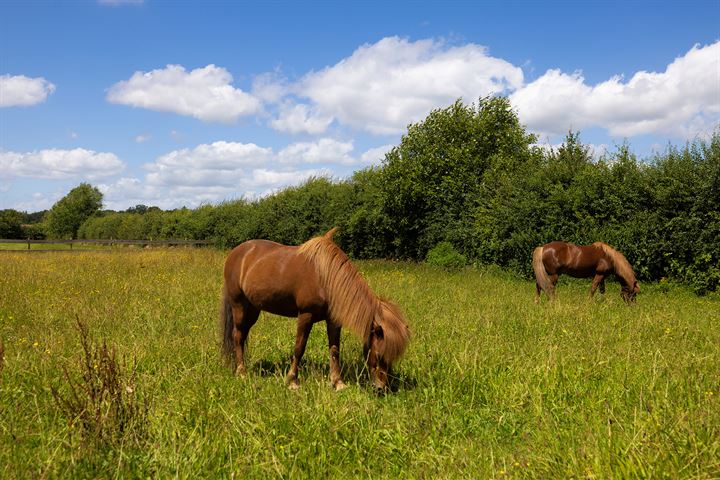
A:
<point x="184" y="103"/>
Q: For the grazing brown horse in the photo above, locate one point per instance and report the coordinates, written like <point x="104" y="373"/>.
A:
<point x="582" y="261"/>
<point x="313" y="282"/>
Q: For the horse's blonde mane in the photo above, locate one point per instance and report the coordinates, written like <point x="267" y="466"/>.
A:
<point x="351" y="303"/>
<point x="622" y="267"/>
<point x="396" y="331"/>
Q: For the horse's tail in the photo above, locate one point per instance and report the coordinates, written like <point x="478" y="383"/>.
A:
<point x="226" y="325"/>
<point x="541" y="276"/>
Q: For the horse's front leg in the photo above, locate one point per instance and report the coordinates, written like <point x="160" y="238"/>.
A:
<point x="598" y="280"/>
<point x="553" y="281"/>
<point x="304" y="325"/>
<point x="333" y="332"/>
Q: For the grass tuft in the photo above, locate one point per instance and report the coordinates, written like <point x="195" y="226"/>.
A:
<point x="100" y="400"/>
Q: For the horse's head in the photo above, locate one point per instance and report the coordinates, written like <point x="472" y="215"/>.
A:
<point x="389" y="335"/>
<point x="629" y="292"/>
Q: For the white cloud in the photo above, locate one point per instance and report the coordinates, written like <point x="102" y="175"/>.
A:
<point x="219" y="163"/>
<point x="129" y="191"/>
<point x="229" y="163"/>
<point x="223" y="170"/>
<point x="142" y="138"/>
<point x="21" y="91"/>
<point x="211" y="173"/>
<point x="59" y="164"/>
<point x="264" y="178"/>
<point x="681" y="100"/>
<point x="204" y="93"/>
<point x="270" y="87"/>
<point x="126" y="192"/>
<point x="217" y="155"/>
<point x="375" y="156"/>
<point x="325" y="151"/>
<point x="256" y="183"/>
<point x="301" y="118"/>
<point x="384" y="86"/>
<point x="39" y="201"/>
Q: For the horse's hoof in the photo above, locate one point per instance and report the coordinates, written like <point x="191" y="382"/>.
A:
<point x="294" y="385"/>
<point x="339" y="385"/>
<point x="240" y="372"/>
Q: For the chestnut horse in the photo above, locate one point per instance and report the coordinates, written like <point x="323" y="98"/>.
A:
<point x="582" y="261"/>
<point x="313" y="282"/>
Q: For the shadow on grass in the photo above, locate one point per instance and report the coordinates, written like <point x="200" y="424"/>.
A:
<point x="353" y="372"/>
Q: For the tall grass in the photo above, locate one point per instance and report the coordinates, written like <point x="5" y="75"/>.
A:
<point x="492" y="385"/>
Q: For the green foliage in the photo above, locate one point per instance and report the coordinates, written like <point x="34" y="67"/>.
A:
<point x="11" y="224"/>
<point x="364" y="229"/>
<point x="34" y="231"/>
<point x="443" y="166"/>
<point x="444" y="255"/>
<point x="68" y="214"/>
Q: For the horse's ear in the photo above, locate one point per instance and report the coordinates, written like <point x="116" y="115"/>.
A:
<point x="329" y="235"/>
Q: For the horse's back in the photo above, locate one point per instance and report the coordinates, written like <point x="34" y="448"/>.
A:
<point x="555" y="255"/>
<point x="575" y="260"/>
<point x="245" y="255"/>
<point x="273" y="277"/>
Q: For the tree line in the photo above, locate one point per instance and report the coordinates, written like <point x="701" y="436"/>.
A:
<point x="473" y="177"/>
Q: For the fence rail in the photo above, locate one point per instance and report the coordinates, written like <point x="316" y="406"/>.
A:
<point x="154" y="243"/>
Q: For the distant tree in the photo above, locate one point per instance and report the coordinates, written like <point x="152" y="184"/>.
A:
<point x="140" y="208"/>
<point x="10" y="224"/>
<point x="34" y="217"/>
<point x="65" y="217"/>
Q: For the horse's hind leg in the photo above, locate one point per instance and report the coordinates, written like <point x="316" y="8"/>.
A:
<point x="304" y="325"/>
<point x="244" y="317"/>
<point x="333" y="332"/>
<point x="538" y="291"/>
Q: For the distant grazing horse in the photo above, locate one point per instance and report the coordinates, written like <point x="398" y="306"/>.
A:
<point x="581" y="261"/>
<point x="313" y="282"/>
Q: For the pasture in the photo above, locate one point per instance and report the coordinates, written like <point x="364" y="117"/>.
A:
<point x="491" y="386"/>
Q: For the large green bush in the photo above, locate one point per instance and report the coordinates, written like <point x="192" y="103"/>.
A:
<point x="471" y="175"/>
<point x="444" y="255"/>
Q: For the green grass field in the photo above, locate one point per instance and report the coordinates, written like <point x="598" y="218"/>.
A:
<point x="492" y="385"/>
<point x="54" y="246"/>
